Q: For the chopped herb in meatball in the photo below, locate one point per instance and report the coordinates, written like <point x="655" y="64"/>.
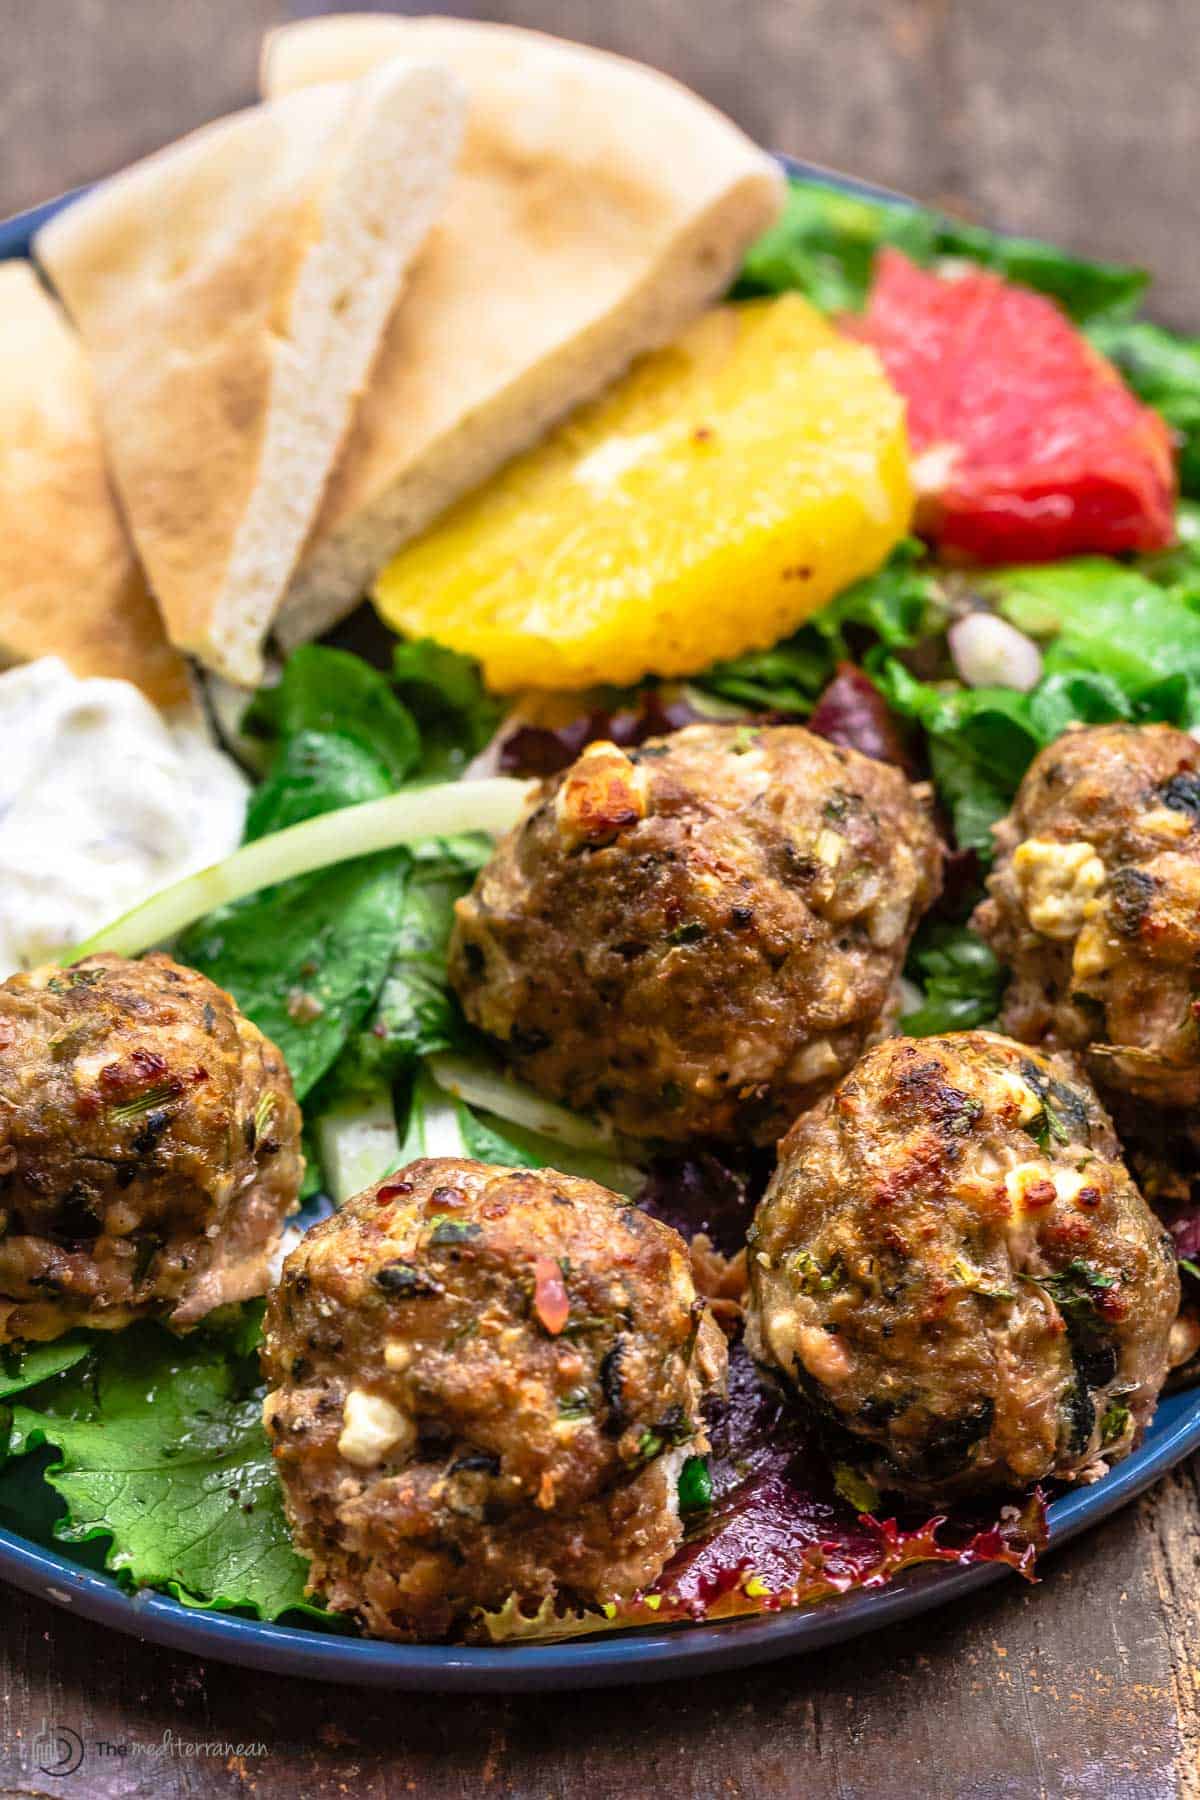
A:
<point x="698" y="937"/>
<point x="953" y="1267"/>
<point x="1095" y="902"/>
<point x="149" y="1147"/>
<point x="485" y="1383"/>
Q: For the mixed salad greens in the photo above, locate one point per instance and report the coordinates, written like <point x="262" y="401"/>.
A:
<point x="145" y="1453"/>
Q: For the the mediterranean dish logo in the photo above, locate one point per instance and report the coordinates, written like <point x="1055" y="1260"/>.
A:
<point x="59" y="1750"/>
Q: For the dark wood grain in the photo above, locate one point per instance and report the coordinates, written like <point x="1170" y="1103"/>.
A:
<point x="1078" y="120"/>
<point x="1068" y="1689"/>
<point x="1075" y="120"/>
<point x="88" y="85"/>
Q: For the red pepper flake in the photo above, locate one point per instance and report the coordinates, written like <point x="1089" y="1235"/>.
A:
<point x="391" y="1190"/>
<point x="445" y="1199"/>
<point x="122" y="1078"/>
<point x="550" y="1300"/>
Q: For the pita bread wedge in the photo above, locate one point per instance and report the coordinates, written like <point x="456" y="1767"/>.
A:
<point x="70" y="583"/>
<point x="231" y="291"/>
<point x="596" y="207"/>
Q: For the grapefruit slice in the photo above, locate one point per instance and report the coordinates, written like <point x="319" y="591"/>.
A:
<point x="1027" y="444"/>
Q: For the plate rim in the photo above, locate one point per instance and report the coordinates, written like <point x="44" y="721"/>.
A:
<point x="638" y="1656"/>
<point x="641" y="1656"/>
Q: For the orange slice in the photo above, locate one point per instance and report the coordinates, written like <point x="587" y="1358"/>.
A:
<point x="706" y="504"/>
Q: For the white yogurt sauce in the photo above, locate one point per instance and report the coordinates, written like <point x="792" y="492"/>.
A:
<point x="103" y="801"/>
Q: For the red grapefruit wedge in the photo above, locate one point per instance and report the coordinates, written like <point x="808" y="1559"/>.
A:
<point x="1027" y="444"/>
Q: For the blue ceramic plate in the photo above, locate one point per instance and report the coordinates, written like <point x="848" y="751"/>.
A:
<point x="599" y="1662"/>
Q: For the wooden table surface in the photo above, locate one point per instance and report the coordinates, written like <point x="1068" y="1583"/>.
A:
<point x="1078" y="119"/>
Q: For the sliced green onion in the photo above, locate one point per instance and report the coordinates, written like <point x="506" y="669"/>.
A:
<point x="492" y="1140"/>
<point x="446" y="810"/>
<point x="433" y="1122"/>
<point x="488" y="1088"/>
<point x="711" y="706"/>
<point x="358" y="1144"/>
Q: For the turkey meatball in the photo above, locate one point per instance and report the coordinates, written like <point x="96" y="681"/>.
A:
<point x="484" y="1383"/>
<point x="149" y="1147"/>
<point x="953" y="1267"/>
<point x="698" y="937"/>
<point x="1095" y="902"/>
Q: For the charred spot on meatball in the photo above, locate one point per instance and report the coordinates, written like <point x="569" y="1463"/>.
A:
<point x="484" y="1383"/>
<point x="954" y="1269"/>
<point x="699" y="937"/>
<point x="1094" y="900"/>
<point x="149" y="1148"/>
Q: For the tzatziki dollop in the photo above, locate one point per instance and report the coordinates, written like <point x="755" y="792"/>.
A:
<point x="103" y="801"/>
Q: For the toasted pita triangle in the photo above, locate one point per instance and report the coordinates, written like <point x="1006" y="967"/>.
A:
<point x="70" y="583"/>
<point x="231" y="291"/>
<point x="596" y="207"/>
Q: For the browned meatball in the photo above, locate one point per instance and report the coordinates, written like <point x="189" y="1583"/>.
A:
<point x="698" y="937"/>
<point x="954" y="1267"/>
<point x="1095" y="901"/>
<point x="149" y="1147"/>
<point x="484" y="1383"/>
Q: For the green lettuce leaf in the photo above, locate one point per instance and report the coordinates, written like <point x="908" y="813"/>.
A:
<point x="899" y="605"/>
<point x="1114" y="621"/>
<point x="23" y="1369"/>
<point x="445" y="691"/>
<point x="981" y="741"/>
<point x="338" y="735"/>
<point x="493" y="1140"/>
<point x="826" y="241"/>
<point x="972" y="794"/>
<point x="787" y="678"/>
<point x="314" y="772"/>
<point x="441" y="1124"/>
<point x="895" y="608"/>
<point x="1163" y="369"/>
<point x="415" y="1013"/>
<point x="333" y="693"/>
<point x="161" y="1451"/>
<point x="962" y="982"/>
<point x="1179" y="567"/>
<point x="306" y="960"/>
<point x="1117" y="644"/>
